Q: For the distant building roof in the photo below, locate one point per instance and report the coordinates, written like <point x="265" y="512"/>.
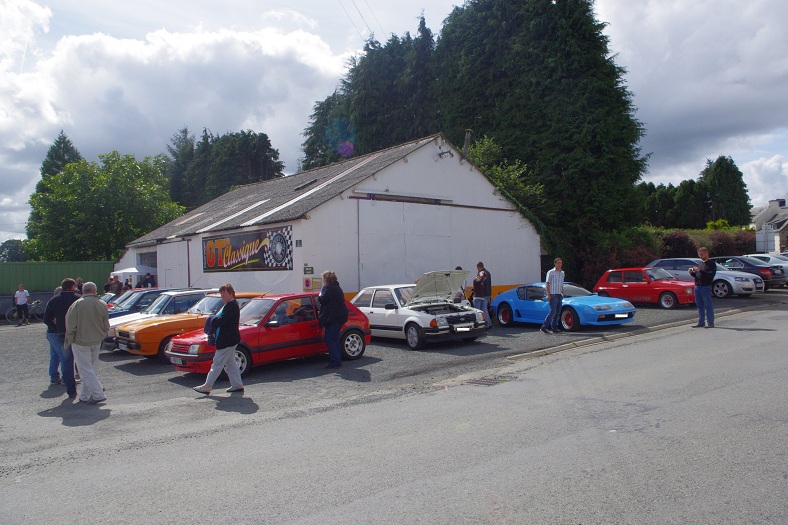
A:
<point x="282" y="199"/>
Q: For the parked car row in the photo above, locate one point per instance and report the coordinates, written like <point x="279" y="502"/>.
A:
<point x="285" y="326"/>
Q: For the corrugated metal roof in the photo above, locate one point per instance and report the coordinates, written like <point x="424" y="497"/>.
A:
<point x="280" y="200"/>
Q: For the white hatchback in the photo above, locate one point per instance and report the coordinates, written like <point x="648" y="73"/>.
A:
<point x="423" y="312"/>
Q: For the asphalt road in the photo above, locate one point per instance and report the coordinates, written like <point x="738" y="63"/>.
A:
<point x="412" y="437"/>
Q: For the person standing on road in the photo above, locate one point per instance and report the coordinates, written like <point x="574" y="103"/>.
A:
<point x="87" y="323"/>
<point x="20" y="300"/>
<point x="333" y="314"/>
<point x="225" y="325"/>
<point x="55" y="319"/>
<point x="704" y="274"/>
<point x="554" y="286"/>
<point x="482" y="291"/>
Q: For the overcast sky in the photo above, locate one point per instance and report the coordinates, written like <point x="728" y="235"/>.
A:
<point x="709" y="77"/>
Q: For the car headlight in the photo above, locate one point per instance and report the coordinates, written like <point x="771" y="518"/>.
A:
<point x="602" y="307"/>
<point x="132" y="335"/>
<point x="689" y="291"/>
<point x="479" y="316"/>
<point x="195" y="349"/>
<point x="627" y="304"/>
<point x="741" y="279"/>
<point x="442" y="322"/>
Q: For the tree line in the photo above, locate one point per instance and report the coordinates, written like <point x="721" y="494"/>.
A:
<point x="554" y="125"/>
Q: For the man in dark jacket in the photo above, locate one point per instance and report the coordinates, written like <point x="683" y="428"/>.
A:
<point x="704" y="274"/>
<point x="333" y="314"/>
<point x="482" y="291"/>
<point x="55" y="319"/>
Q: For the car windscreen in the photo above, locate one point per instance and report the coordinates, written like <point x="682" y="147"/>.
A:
<point x="404" y="294"/>
<point x="127" y="300"/>
<point x="120" y="298"/>
<point x="254" y="311"/>
<point x="207" y="305"/>
<point x="658" y="274"/>
<point x="158" y="305"/>
<point x="753" y="261"/>
<point x="572" y="290"/>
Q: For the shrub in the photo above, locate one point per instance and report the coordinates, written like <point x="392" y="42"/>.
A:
<point x="744" y="242"/>
<point x="678" y="244"/>
<point x="722" y="243"/>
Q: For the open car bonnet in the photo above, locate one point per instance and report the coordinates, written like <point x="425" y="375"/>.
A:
<point x="438" y="287"/>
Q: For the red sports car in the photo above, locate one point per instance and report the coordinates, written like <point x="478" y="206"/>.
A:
<point x="645" y="285"/>
<point x="273" y="328"/>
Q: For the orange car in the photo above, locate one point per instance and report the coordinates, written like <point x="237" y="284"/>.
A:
<point x="149" y="337"/>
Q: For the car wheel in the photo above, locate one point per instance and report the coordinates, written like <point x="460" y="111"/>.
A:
<point x="162" y="347"/>
<point x="243" y="359"/>
<point x="353" y="345"/>
<point x="721" y="289"/>
<point x="569" y="320"/>
<point x="504" y="315"/>
<point x="603" y="294"/>
<point x="668" y="300"/>
<point x="413" y="336"/>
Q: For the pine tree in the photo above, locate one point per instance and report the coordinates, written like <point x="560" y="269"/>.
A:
<point x="727" y="192"/>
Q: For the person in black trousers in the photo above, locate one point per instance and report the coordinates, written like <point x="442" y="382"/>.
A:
<point x="333" y="314"/>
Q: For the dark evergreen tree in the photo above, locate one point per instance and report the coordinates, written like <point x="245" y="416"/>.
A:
<point x="727" y="192"/>
<point x="690" y="206"/>
<point x="181" y="150"/>
<point x="61" y="153"/>
<point x="221" y="163"/>
<point x="537" y="76"/>
<point x="329" y="136"/>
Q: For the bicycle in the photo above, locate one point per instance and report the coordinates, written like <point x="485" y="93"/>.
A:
<point x="35" y="308"/>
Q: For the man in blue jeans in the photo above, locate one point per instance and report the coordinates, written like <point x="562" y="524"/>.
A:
<point x="704" y="277"/>
<point x="55" y="319"/>
<point x="554" y="286"/>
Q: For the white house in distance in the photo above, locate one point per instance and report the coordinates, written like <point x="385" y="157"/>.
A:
<point x="385" y="217"/>
<point x="771" y="226"/>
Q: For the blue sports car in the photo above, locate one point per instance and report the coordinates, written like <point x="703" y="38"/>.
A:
<point x="528" y="304"/>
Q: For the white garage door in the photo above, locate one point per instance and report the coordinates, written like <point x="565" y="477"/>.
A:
<point x="398" y="241"/>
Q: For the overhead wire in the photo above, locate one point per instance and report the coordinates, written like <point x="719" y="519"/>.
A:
<point x="375" y="17"/>
<point x="351" y="20"/>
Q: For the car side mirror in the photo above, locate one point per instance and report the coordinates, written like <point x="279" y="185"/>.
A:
<point x="391" y="306"/>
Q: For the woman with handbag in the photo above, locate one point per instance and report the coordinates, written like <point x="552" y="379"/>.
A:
<point x="227" y="335"/>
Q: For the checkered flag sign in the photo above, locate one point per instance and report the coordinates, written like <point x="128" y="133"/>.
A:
<point x="279" y="252"/>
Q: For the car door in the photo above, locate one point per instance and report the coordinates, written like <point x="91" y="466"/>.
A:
<point x="682" y="269"/>
<point x="285" y="337"/>
<point x="613" y="285"/>
<point x="534" y="303"/>
<point x="636" y="287"/>
<point x="383" y="313"/>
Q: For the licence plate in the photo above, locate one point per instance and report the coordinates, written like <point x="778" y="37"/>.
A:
<point x="122" y="345"/>
<point x="176" y="360"/>
<point x="621" y="316"/>
<point x="462" y="329"/>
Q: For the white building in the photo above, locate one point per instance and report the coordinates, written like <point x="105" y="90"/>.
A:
<point x="771" y="221"/>
<point x="386" y="217"/>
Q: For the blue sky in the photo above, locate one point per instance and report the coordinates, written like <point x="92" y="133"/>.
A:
<point x="708" y="77"/>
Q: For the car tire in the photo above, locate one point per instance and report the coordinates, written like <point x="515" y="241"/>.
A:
<point x="504" y="315"/>
<point x="353" y="345"/>
<point x="721" y="289"/>
<point x="668" y="300"/>
<point x="569" y="320"/>
<point x="162" y="347"/>
<point x="413" y="336"/>
<point x="243" y="359"/>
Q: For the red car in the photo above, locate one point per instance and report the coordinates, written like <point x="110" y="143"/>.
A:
<point x="273" y="328"/>
<point x="645" y="285"/>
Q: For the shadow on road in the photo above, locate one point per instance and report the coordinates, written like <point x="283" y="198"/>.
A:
<point x="76" y="414"/>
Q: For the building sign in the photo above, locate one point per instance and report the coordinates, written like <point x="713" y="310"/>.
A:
<point x="262" y="250"/>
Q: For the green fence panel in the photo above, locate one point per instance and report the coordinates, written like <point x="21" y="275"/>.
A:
<point x="46" y="276"/>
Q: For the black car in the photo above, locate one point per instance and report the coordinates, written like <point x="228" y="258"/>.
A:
<point x="772" y="275"/>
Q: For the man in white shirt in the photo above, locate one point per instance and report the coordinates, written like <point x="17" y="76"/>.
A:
<point x="554" y="286"/>
<point x="20" y="300"/>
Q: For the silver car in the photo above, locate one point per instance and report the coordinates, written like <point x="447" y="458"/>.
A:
<point x="726" y="282"/>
